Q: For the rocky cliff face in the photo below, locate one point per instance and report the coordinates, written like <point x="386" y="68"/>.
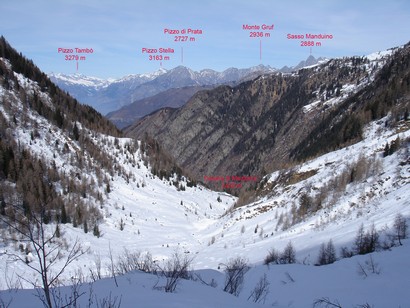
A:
<point x="264" y="124"/>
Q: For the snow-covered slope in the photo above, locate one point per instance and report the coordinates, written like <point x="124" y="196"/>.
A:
<point x="140" y="212"/>
<point x="292" y="285"/>
<point x="380" y="192"/>
<point x="80" y="80"/>
<point x="144" y="213"/>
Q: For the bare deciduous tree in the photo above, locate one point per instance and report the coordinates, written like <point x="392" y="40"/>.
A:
<point x="31" y="226"/>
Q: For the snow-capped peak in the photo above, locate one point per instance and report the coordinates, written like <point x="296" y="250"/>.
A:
<point x="99" y="83"/>
<point x="144" y="76"/>
<point x="80" y="79"/>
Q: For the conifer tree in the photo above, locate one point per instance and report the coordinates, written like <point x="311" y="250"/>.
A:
<point x="330" y="252"/>
<point x="2" y="206"/>
<point x="322" y="260"/>
<point x="64" y="217"/>
<point x="400" y="227"/>
<point x="289" y="254"/>
<point x="76" y="132"/>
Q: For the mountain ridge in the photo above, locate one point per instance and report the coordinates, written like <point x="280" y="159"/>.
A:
<point x="62" y="162"/>
<point x="289" y="116"/>
<point x="171" y="98"/>
<point x="109" y="95"/>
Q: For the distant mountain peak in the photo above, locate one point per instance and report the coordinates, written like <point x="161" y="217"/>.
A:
<point x="310" y="61"/>
<point x="107" y="95"/>
<point x="81" y="80"/>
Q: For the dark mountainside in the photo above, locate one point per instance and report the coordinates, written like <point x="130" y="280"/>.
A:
<point x="65" y="107"/>
<point x="173" y="98"/>
<point x="266" y="124"/>
<point x="108" y="98"/>
<point x="128" y="99"/>
<point x="33" y="108"/>
<point x="133" y="88"/>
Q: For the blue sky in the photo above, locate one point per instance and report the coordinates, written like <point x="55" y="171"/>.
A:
<point x="117" y="30"/>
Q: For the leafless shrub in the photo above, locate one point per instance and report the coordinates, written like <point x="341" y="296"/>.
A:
<point x="367" y="305"/>
<point x="127" y="262"/>
<point x="235" y="272"/>
<point x="345" y="252"/>
<point x="326" y="302"/>
<point x="68" y="300"/>
<point x="109" y="302"/>
<point x="4" y="304"/>
<point x="147" y="264"/>
<point x="289" y="279"/>
<point x="95" y="274"/>
<point x="372" y="266"/>
<point x="369" y="267"/>
<point x="272" y="257"/>
<point x="134" y="261"/>
<point x="13" y="282"/>
<point x="212" y="284"/>
<point x="260" y="291"/>
<point x="174" y="270"/>
<point x="361" y="270"/>
<point x="111" y="266"/>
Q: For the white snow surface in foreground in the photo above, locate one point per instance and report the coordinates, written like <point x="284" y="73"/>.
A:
<point x="294" y="285"/>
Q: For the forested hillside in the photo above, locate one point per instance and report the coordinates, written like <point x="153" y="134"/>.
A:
<point x="277" y="120"/>
<point x="37" y="118"/>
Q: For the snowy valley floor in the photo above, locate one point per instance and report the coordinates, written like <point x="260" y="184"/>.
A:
<point x="159" y="219"/>
<point x="293" y="285"/>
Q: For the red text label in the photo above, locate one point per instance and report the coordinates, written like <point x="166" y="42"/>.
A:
<point x="255" y="30"/>
<point x="183" y="35"/>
